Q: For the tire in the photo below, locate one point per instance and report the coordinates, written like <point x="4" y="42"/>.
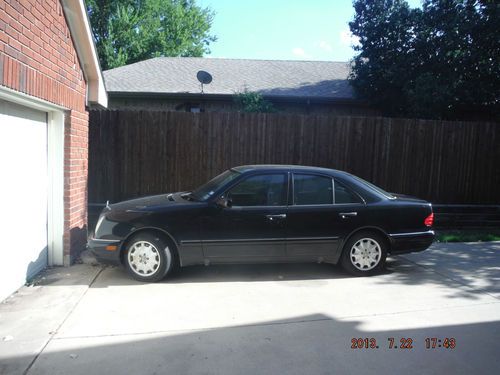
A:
<point x="364" y="254"/>
<point x="149" y="257"/>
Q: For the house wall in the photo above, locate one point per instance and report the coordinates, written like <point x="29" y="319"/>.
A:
<point x="38" y="58"/>
<point x="299" y="107"/>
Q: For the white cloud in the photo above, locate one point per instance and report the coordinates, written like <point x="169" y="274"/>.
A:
<point x="297" y="51"/>
<point x="325" y="46"/>
<point x="347" y="39"/>
<point x="301" y="53"/>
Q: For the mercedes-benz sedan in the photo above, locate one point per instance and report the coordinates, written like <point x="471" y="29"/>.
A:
<point x="264" y="214"/>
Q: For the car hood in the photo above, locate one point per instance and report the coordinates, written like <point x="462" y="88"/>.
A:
<point x="151" y="202"/>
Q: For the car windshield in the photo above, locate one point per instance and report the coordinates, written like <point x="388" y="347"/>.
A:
<point x="376" y="188"/>
<point x="206" y="191"/>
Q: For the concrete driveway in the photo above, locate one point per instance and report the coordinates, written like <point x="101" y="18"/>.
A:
<point x="265" y="319"/>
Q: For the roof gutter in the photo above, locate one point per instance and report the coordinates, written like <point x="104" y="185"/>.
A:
<point x="78" y="23"/>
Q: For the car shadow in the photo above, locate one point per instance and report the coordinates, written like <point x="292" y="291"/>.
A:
<point x="258" y="272"/>
<point x="231" y="273"/>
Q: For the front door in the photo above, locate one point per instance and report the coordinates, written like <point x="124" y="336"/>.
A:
<point x="253" y="228"/>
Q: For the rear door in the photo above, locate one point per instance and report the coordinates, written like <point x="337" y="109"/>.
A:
<point x="253" y="228"/>
<point x="321" y="213"/>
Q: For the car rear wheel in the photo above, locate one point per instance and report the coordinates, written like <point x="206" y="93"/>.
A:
<point x="148" y="257"/>
<point x="364" y="254"/>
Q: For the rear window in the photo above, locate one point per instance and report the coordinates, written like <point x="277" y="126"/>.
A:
<point x="345" y="195"/>
<point x="373" y="187"/>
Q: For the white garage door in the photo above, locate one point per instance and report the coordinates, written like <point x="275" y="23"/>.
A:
<point x="23" y="195"/>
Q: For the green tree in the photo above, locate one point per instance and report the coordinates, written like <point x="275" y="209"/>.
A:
<point x="439" y="61"/>
<point x="250" y="101"/>
<point x="127" y="31"/>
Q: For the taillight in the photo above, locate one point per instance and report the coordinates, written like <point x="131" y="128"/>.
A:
<point x="429" y="220"/>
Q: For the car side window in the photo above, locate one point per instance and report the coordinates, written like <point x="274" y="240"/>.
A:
<point x="345" y="195"/>
<point x="311" y="189"/>
<point x="261" y="190"/>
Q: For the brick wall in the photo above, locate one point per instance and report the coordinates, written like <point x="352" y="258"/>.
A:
<point x="37" y="57"/>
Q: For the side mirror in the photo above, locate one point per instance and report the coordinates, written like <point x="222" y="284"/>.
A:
<point x="224" y="202"/>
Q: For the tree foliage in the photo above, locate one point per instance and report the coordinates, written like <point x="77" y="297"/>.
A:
<point x="250" y="101"/>
<point x="438" y="61"/>
<point x="127" y="31"/>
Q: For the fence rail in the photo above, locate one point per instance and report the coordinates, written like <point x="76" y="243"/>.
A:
<point x="134" y="153"/>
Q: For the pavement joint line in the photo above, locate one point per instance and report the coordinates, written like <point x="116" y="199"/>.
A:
<point x="470" y="289"/>
<point x="194" y="329"/>
<point x="53" y="333"/>
<point x="269" y="324"/>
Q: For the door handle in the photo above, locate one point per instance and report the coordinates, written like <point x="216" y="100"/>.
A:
<point x="276" y="217"/>
<point x="345" y="215"/>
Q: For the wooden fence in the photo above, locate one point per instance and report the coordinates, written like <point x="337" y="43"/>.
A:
<point x="135" y="153"/>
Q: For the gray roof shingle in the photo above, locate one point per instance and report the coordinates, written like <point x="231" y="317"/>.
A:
<point x="177" y="75"/>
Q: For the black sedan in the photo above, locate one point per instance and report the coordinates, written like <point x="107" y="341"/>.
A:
<point x="264" y="213"/>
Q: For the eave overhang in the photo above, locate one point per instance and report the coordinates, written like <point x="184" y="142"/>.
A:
<point x="81" y="34"/>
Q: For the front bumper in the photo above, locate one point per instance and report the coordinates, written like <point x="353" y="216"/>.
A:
<point x="402" y="243"/>
<point x="102" y="252"/>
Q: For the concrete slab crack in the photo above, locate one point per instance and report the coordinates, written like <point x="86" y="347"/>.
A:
<point x="53" y="333"/>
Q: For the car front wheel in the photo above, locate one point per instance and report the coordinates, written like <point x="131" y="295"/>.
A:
<point x="364" y="254"/>
<point x="148" y="257"/>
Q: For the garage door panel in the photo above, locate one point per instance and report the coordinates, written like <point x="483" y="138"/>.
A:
<point x="23" y="194"/>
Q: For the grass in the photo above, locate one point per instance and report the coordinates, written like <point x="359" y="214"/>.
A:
<point x="467" y="236"/>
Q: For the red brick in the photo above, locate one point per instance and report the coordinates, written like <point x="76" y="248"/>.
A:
<point x="29" y="16"/>
<point x="24" y="40"/>
<point x="26" y="5"/>
<point x="18" y="8"/>
<point x="11" y="11"/>
<point x="4" y="17"/>
<point x="11" y="52"/>
<point x="9" y="30"/>
<point x="8" y="79"/>
<point x="3" y="37"/>
<point x="14" y="44"/>
<point x="25" y="22"/>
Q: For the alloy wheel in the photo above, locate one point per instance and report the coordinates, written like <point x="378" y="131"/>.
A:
<point x="365" y="254"/>
<point x="144" y="258"/>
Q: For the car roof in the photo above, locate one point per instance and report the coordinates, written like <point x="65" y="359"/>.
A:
<point x="297" y="168"/>
<point x="368" y="193"/>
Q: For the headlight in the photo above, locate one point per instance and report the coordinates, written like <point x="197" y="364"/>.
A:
<point x="99" y="222"/>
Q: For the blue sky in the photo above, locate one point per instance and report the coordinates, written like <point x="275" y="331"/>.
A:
<point x="283" y="29"/>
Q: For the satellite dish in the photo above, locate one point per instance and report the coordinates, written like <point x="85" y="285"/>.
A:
<point x="204" y="77"/>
